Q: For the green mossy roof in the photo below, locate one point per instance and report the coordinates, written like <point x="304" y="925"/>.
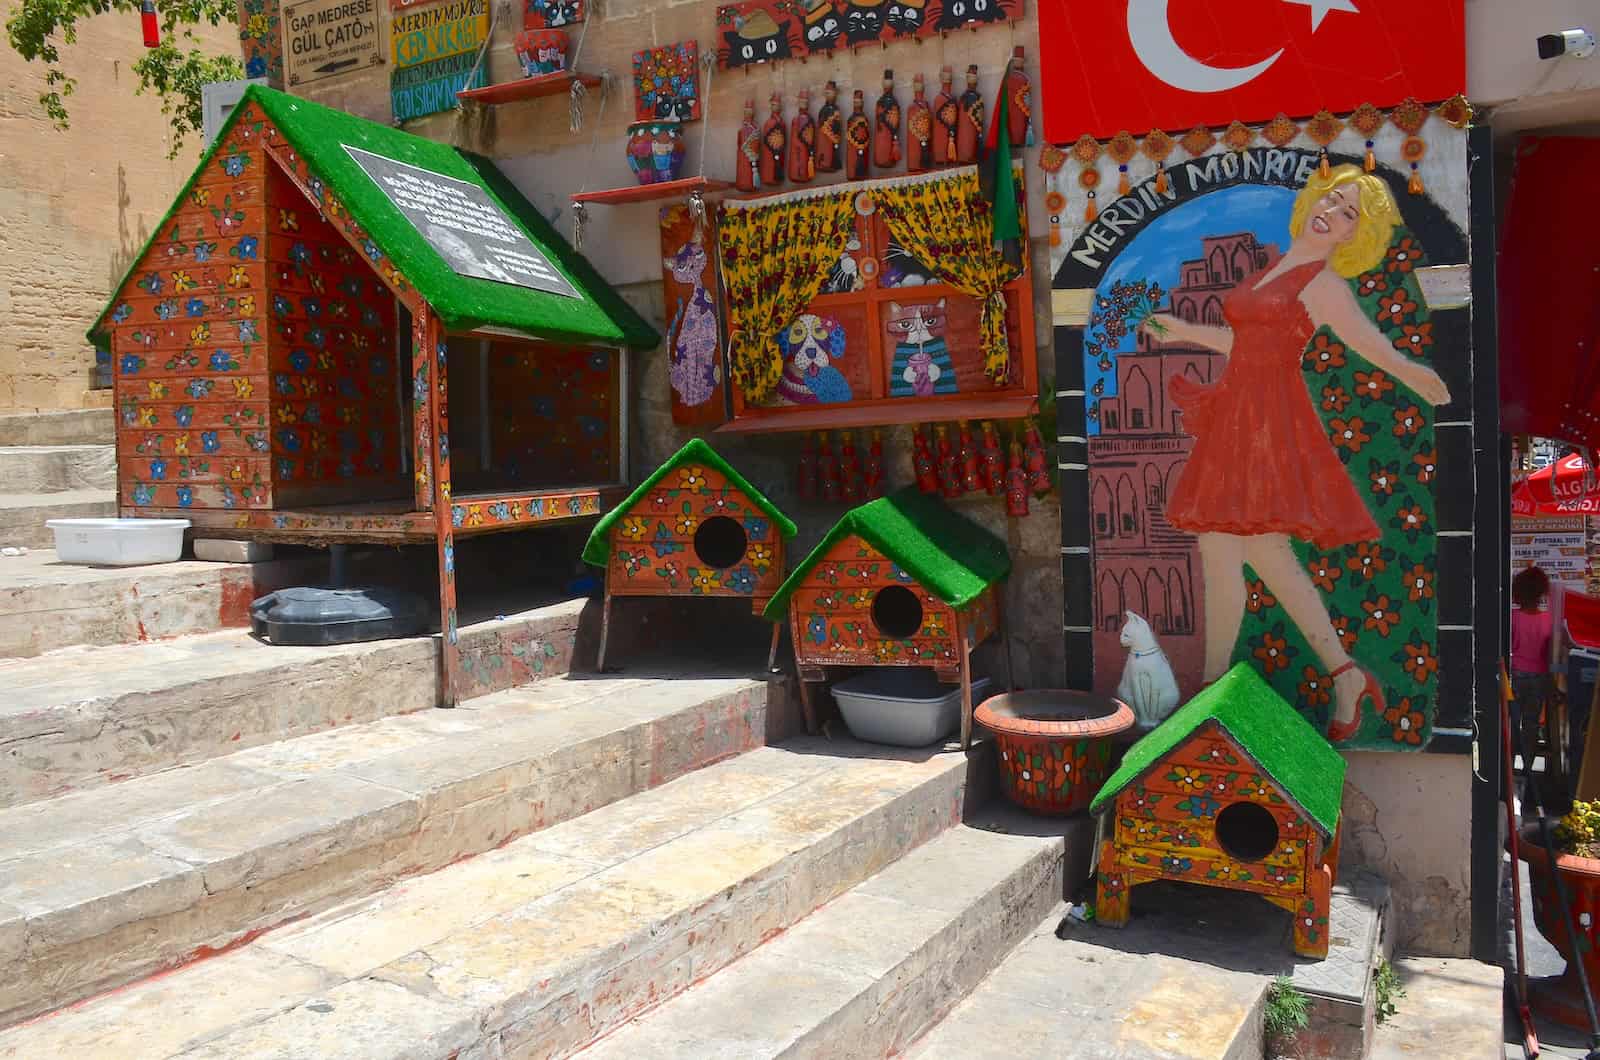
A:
<point x="462" y="302"/>
<point x="598" y="549"/>
<point x="948" y="554"/>
<point x="1282" y="743"/>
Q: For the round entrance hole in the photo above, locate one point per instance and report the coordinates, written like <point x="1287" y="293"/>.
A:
<point x="720" y="542"/>
<point x="1247" y="832"/>
<point x="897" y="612"/>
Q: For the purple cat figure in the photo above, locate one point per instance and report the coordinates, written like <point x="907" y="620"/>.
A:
<point x="692" y="360"/>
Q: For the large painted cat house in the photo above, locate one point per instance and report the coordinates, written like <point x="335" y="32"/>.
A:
<point x="695" y="527"/>
<point x="1235" y="790"/>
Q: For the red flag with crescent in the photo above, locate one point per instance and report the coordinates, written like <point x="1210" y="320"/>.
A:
<point x="1139" y="65"/>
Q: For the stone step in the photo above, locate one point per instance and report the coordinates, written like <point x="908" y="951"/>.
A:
<point x="81" y="717"/>
<point x="46" y="605"/>
<point x="1451" y="1007"/>
<point x="53" y="468"/>
<point x="102" y="887"/>
<point x="23" y="515"/>
<point x="1186" y="979"/>
<point x="872" y="970"/>
<point x="540" y="946"/>
<point x="69" y="427"/>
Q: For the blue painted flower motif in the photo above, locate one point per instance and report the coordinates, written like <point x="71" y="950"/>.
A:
<point x="500" y="511"/>
<point x="1173" y="863"/>
<point x="349" y="441"/>
<point x="350" y="286"/>
<point x="247" y="331"/>
<point x="257" y="442"/>
<point x="312" y="306"/>
<point x="281" y="305"/>
<point x="195" y="307"/>
<point x="315" y="184"/>
<point x="371" y="250"/>
<point x="457" y="514"/>
<point x="544" y="406"/>
<point x="316" y="337"/>
<point x="755" y="527"/>
<point x="130" y="364"/>
<point x="222" y="361"/>
<point x="279" y="522"/>
<point x="158" y="469"/>
<point x="378" y="365"/>
<point x="347" y="469"/>
<point x="289" y="439"/>
<point x="281" y="383"/>
<point x="199" y="388"/>
<point x="901" y="576"/>
<point x="152" y="282"/>
<point x="535" y="507"/>
<point x="203" y="251"/>
<point x="121" y="313"/>
<point x="299" y="360"/>
<point x="575" y="505"/>
<point x="663" y="544"/>
<point x="143" y="495"/>
<point x="247" y="247"/>
<point x="285" y="468"/>
<point x="1199" y="806"/>
<point x="209" y="442"/>
<point x="597" y="361"/>
<point x="185" y="413"/>
<point x="230" y="499"/>
<point x="369" y="317"/>
<point x="817" y="629"/>
<point x="742" y="580"/>
<point x="450" y="559"/>
<point x="166" y="309"/>
<point x="591" y="427"/>
<point x="313" y="415"/>
<point x="234" y="164"/>
<point x="185" y="496"/>
<point x="256" y="67"/>
<point x="444" y="448"/>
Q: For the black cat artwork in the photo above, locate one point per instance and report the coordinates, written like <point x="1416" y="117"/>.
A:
<point x="953" y="14"/>
<point x="904" y="17"/>
<point x="863" y="21"/>
<point x="823" y="26"/>
<point x="757" y="37"/>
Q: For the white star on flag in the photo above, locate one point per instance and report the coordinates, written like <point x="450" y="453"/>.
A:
<point x="1320" y="9"/>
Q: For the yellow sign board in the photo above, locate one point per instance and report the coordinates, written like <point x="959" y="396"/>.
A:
<point x="438" y="31"/>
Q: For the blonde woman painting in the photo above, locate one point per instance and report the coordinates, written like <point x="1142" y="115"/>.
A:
<point x="1263" y="471"/>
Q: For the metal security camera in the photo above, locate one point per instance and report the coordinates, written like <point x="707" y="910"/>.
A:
<point x="1578" y="43"/>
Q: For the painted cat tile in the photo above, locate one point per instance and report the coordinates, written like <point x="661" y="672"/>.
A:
<point x="666" y="83"/>
<point x="552" y="14"/>
<point x="759" y="31"/>
<point x="922" y="365"/>
<point x="689" y="284"/>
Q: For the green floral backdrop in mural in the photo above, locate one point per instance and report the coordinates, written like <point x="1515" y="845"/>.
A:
<point x="1380" y="596"/>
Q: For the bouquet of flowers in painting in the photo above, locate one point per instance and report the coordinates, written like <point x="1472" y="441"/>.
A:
<point x="1131" y="303"/>
<point x="666" y="83"/>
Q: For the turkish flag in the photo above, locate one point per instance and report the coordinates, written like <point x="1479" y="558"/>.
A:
<point x="1110" y="65"/>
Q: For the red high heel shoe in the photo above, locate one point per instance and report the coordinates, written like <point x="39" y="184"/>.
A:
<point x="1338" y="733"/>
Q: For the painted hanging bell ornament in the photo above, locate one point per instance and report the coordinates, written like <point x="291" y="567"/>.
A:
<point x="542" y="51"/>
<point x="655" y="151"/>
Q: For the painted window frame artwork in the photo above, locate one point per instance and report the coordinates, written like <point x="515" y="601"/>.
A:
<point x="1194" y="255"/>
<point x="670" y="74"/>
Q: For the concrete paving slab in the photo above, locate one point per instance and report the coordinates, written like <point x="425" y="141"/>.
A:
<point x="86" y="716"/>
<point x="269" y="835"/>
<point x="866" y="974"/>
<point x="1451" y="1007"/>
<point x="53" y="468"/>
<point x="64" y="427"/>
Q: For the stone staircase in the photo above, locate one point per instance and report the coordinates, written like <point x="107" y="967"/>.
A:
<point x="54" y="465"/>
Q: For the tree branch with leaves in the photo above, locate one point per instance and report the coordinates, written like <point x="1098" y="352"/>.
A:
<point x="175" y="70"/>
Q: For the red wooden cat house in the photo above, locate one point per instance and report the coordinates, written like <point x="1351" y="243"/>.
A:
<point x="1234" y="790"/>
<point x="324" y="297"/>
<point x="900" y="581"/>
<point x="695" y="527"/>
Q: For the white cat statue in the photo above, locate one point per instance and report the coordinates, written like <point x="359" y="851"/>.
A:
<point x="1148" y="684"/>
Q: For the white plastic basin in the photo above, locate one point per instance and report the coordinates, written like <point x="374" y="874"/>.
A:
<point x="902" y="705"/>
<point x="118" y="542"/>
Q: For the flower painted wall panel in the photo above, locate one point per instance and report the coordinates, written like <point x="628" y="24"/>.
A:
<point x="188" y="351"/>
<point x="831" y="613"/>
<point x="653" y="546"/>
<point x="553" y="416"/>
<point x="337" y="429"/>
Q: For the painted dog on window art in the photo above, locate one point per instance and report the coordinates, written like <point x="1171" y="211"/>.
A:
<point x="810" y="346"/>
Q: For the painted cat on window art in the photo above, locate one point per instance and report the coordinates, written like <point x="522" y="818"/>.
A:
<point x="1264" y="472"/>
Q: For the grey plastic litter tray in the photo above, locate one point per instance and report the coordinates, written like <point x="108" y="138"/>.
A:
<point x="904" y="706"/>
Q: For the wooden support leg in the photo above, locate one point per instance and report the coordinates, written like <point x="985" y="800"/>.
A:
<point x="808" y="712"/>
<point x="772" y="653"/>
<point x="966" y="693"/>
<point x="1111" y="892"/>
<point x="433" y="350"/>
<point x="605" y="633"/>
<point x="1311" y="914"/>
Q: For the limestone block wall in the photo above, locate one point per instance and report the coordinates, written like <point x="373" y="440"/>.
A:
<point x="77" y="206"/>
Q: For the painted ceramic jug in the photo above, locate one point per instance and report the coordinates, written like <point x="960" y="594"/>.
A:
<point x="655" y="151"/>
<point x="542" y="51"/>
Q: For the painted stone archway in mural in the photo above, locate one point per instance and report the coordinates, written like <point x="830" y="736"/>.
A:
<point x="1266" y="357"/>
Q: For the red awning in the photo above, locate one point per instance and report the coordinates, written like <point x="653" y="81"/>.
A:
<point x="1549" y="279"/>
<point x="1563" y="488"/>
<point x="1581" y="613"/>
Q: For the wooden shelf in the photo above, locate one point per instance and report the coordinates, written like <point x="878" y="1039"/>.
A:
<point x="886" y="413"/>
<point x="671" y="189"/>
<point x="527" y="88"/>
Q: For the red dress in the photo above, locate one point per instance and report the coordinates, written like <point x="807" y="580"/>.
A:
<point x="1262" y="461"/>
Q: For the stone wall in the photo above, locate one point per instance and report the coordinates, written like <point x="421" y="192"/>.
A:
<point x="78" y="205"/>
<point x="532" y="141"/>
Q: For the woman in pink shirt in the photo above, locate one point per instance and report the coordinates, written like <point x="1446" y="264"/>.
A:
<point x="1530" y="624"/>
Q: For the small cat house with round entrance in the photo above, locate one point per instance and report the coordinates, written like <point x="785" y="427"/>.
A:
<point x="695" y="527"/>
<point x="1234" y="790"/>
<point x="900" y="581"/>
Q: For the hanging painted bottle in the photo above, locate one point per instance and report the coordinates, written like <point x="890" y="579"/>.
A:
<point x="1038" y="465"/>
<point x="994" y="461"/>
<point x="969" y="459"/>
<point x="774" y="141"/>
<point x="922" y="461"/>
<point x="747" y="163"/>
<point x="886" y="126"/>
<point x="803" y="143"/>
<point x="949" y="468"/>
<point x="919" y="130"/>
<point x="970" y="127"/>
<point x="946" y="119"/>
<point x="1016" y="484"/>
<point x="1019" y="101"/>
<point x="830" y="131"/>
<point x="874" y="470"/>
<point x="857" y="140"/>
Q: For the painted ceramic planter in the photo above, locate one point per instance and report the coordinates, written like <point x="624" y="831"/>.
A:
<point x="542" y="51"/>
<point x="655" y="151"/>
<point x="1581" y="878"/>
<point x="1054" y="746"/>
